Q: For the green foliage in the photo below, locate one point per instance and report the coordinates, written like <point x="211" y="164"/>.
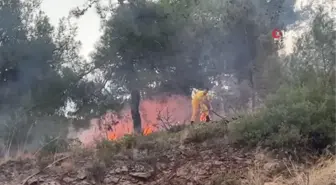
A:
<point x="292" y="117"/>
<point x="313" y="60"/>
<point x="106" y="150"/>
<point x="203" y="132"/>
<point x="128" y="141"/>
<point x="134" y="45"/>
<point x="301" y="112"/>
<point x="112" y="147"/>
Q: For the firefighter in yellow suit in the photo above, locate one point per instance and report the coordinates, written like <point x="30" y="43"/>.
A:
<point x="200" y="103"/>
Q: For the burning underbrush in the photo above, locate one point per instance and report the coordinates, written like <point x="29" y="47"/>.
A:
<point x="157" y="114"/>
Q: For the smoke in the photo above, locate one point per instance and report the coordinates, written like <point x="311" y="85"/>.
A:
<point x="158" y="113"/>
<point x="305" y="11"/>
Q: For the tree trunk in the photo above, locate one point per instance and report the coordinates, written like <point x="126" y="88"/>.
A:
<point x="252" y="56"/>
<point x="135" y="102"/>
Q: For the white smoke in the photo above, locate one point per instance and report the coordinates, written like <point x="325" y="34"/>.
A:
<point x="306" y="9"/>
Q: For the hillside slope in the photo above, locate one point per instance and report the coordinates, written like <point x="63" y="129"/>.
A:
<point x="196" y="155"/>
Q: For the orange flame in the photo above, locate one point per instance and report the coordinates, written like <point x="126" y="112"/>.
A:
<point x="176" y="108"/>
<point x="112" y="135"/>
<point x="203" y="116"/>
<point x="147" y="131"/>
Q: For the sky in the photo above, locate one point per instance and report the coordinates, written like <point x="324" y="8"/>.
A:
<point x="88" y="24"/>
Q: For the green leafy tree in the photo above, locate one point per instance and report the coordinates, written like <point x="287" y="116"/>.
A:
<point x="34" y="77"/>
<point x="301" y="112"/>
<point x="131" y="49"/>
<point x="313" y="60"/>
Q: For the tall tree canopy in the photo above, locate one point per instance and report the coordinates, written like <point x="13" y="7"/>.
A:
<point x="35" y="67"/>
<point x="172" y="46"/>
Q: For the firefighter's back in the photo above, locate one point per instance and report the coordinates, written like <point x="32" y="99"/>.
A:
<point x="197" y="95"/>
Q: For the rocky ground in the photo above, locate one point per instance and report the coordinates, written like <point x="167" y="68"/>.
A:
<point x="200" y="155"/>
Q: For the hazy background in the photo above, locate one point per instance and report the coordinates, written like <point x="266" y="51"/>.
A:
<point x="88" y="24"/>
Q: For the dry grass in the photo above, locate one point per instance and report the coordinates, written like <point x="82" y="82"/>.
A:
<point x="322" y="173"/>
<point x="325" y="173"/>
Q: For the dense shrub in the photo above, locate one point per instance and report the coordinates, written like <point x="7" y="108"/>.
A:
<point x="294" y="116"/>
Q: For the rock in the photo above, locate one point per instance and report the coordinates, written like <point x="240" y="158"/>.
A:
<point x="81" y="175"/>
<point x="66" y="166"/>
<point x="271" y="183"/>
<point x="139" y="154"/>
<point x="143" y="175"/>
<point x="83" y="183"/>
<point x="139" y="167"/>
<point x="125" y="183"/>
<point x="202" y="172"/>
<point x="120" y="170"/>
<point x="51" y="183"/>
<point x="111" y="179"/>
<point x="161" y="166"/>
<point x="271" y="166"/>
<point x="34" y="180"/>
<point x="182" y="172"/>
<point x="124" y="169"/>
<point x="68" y="179"/>
<point x="217" y="163"/>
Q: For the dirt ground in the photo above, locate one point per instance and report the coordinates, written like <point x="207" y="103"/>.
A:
<point x="186" y="157"/>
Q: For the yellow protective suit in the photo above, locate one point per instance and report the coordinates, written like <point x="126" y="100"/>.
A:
<point x="197" y="103"/>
